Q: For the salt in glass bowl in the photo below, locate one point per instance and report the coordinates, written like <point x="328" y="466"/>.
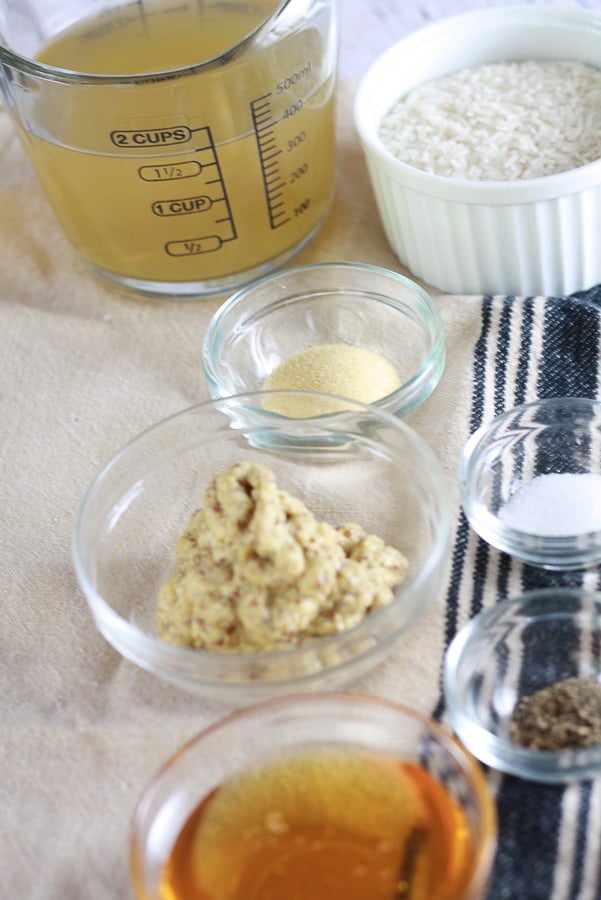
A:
<point x="263" y="325"/>
<point x="361" y="464"/>
<point x="522" y="645"/>
<point x="530" y="482"/>
<point x="361" y="729"/>
<point x="538" y="236"/>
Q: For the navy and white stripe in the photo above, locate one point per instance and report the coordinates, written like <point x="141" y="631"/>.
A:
<point x="528" y="348"/>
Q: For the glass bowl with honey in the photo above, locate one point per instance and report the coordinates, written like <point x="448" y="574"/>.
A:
<point x="331" y="796"/>
<point x="237" y="553"/>
<point x="356" y="330"/>
<point x="522" y="682"/>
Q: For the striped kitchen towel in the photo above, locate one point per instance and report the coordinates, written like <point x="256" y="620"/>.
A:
<point x="528" y="348"/>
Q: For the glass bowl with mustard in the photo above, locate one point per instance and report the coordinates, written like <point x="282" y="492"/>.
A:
<point x="329" y="796"/>
<point x="239" y="553"/>
<point x="522" y="683"/>
<point x="351" y="329"/>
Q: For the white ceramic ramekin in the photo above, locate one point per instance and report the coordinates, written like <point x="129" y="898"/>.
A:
<point x="540" y="236"/>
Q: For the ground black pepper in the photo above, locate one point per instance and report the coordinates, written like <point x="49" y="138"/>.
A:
<point x="566" y="714"/>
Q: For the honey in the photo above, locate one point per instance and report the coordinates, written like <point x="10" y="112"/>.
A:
<point x="329" y="826"/>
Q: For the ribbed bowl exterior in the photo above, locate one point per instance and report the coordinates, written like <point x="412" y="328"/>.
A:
<point x="534" y="237"/>
<point x="548" y="248"/>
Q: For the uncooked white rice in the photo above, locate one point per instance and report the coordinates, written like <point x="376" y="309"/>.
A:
<point x="500" y="121"/>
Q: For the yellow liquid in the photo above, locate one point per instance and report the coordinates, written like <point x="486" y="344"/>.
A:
<point x="186" y="178"/>
<point x="324" y="827"/>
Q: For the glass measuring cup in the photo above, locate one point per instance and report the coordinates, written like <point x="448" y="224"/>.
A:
<point x="186" y="147"/>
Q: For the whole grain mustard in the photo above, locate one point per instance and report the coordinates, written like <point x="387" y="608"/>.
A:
<point x="255" y="570"/>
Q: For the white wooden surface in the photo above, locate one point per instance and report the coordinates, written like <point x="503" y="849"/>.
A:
<point x="370" y="26"/>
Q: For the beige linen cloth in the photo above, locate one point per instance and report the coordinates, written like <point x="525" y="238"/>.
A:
<point x="84" y="367"/>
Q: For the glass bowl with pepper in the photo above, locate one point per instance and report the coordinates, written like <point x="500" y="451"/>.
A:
<point x="238" y="553"/>
<point x="355" y="330"/>
<point x="522" y="684"/>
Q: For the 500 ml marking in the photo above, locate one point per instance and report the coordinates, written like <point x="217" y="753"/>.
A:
<point x="271" y="153"/>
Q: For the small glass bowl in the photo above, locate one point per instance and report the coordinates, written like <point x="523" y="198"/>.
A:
<point x="520" y="646"/>
<point x="553" y="522"/>
<point x="362" y="730"/>
<point x="360" y="465"/>
<point x="263" y="325"/>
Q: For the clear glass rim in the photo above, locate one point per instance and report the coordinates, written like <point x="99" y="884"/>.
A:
<point x="213" y="669"/>
<point x="31" y="66"/>
<point x="548" y="766"/>
<point x="328" y="705"/>
<point x="406" y="397"/>
<point x="549" y="551"/>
